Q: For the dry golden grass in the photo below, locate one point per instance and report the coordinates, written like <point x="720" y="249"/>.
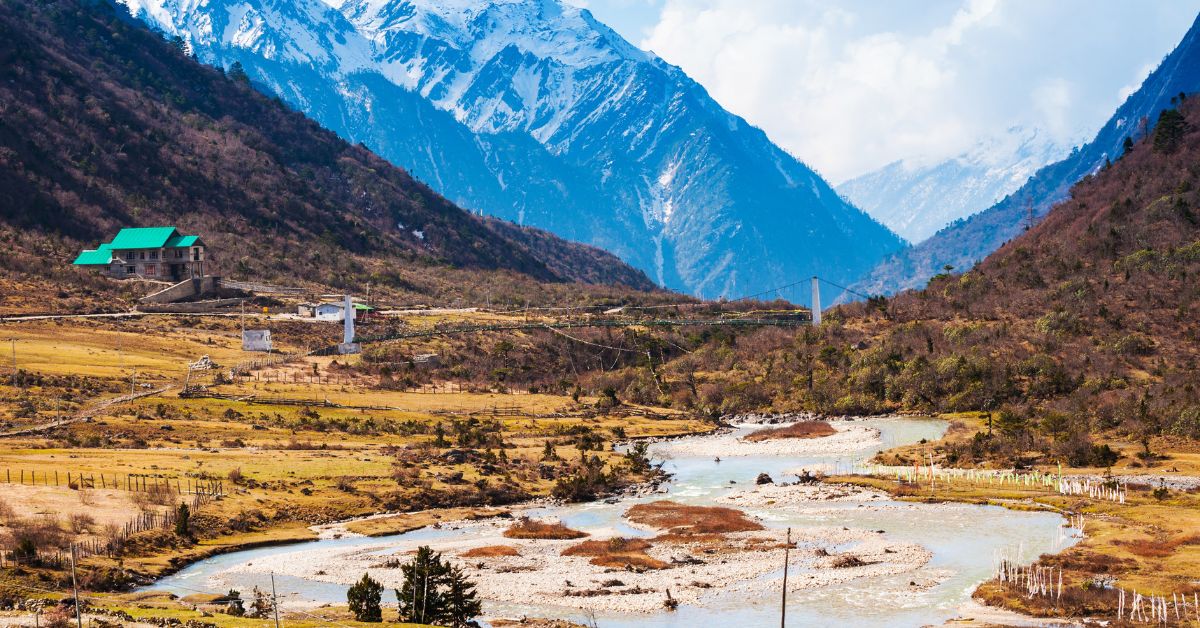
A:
<point x="680" y="520"/>
<point x="617" y="553"/>
<point x="804" y="429"/>
<point x="1159" y="548"/>
<point x="1148" y="545"/>
<point x="491" y="551"/>
<point x="526" y="528"/>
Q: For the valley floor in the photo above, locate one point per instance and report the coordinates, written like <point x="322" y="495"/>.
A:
<point x="297" y="446"/>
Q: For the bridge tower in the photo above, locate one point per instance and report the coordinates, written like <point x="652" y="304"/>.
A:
<point x="816" y="301"/>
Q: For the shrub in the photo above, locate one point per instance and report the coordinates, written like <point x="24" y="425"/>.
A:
<point x="526" y="528"/>
<point x="81" y="522"/>
<point x="803" y="429"/>
<point x="1134" y="344"/>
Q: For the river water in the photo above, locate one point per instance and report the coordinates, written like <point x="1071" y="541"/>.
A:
<point x="963" y="540"/>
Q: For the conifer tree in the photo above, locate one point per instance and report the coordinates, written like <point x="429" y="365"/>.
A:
<point x="364" y="599"/>
<point x="238" y="74"/>
<point x="462" y="603"/>
<point x="421" y="597"/>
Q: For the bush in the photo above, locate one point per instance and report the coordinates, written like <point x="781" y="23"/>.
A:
<point x="1134" y="344"/>
<point x="81" y="522"/>
<point x="183" y="516"/>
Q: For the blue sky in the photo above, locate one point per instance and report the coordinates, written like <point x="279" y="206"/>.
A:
<point x="853" y="85"/>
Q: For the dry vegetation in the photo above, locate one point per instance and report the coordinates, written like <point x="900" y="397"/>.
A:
<point x="682" y="521"/>
<point x="491" y="551"/>
<point x="804" y="429"/>
<point x="431" y="453"/>
<point x="526" y="528"/>
<point x="1148" y="544"/>
<point x="617" y="553"/>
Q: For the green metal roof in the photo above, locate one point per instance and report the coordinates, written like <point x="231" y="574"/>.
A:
<point x="137" y="238"/>
<point x="143" y="238"/>
<point x="100" y="256"/>
<point x="182" y="241"/>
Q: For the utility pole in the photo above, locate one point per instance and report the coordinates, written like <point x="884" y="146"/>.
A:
<point x="75" y="587"/>
<point x="787" y="548"/>
<point x="274" y="600"/>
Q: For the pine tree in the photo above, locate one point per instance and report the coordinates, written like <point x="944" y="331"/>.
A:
<point x="1169" y="130"/>
<point x="238" y="74"/>
<point x="462" y="603"/>
<point x="1127" y="146"/>
<point x="421" y="597"/>
<point x="364" y="599"/>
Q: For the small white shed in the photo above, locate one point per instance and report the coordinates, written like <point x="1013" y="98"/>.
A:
<point x="329" y="312"/>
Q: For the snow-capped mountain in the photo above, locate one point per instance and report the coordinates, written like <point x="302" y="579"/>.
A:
<point x="916" y="198"/>
<point x="533" y="111"/>
<point x="963" y="243"/>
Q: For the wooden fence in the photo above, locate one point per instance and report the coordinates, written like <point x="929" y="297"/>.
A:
<point x="208" y="488"/>
<point x="114" y="541"/>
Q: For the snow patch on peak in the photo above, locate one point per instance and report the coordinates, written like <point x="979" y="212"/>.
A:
<point x="918" y="196"/>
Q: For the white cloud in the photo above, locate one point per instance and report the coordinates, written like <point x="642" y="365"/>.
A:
<point x="849" y="87"/>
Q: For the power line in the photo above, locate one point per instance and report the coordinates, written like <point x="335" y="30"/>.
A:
<point x="580" y="340"/>
<point x="797" y="283"/>
<point x="854" y="292"/>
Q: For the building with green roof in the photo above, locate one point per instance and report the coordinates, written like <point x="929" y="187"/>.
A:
<point x="149" y="253"/>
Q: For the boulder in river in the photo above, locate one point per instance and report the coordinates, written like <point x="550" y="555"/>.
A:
<point x="763" y="478"/>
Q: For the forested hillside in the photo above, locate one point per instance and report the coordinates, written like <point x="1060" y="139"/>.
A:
<point x="106" y="125"/>
<point x="1081" y="326"/>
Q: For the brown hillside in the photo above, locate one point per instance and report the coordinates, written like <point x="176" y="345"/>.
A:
<point x="106" y="125"/>
<point x="1083" y="327"/>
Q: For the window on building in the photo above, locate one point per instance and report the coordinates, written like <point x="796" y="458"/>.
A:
<point x="196" y="254"/>
<point x="178" y="253"/>
<point x="151" y="270"/>
<point x="153" y="254"/>
<point x="129" y="270"/>
<point x="142" y="255"/>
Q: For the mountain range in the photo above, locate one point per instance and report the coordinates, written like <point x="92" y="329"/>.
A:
<point x="964" y="242"/>
<point x="917" y="197"/>
<point x="537" y="113"/>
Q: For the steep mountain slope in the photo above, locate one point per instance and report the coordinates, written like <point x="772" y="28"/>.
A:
<point x="917" y="199"/>
<point x="965" y="242"/>
<point x="106" y="125"/>
<point x="535" y="112"/>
